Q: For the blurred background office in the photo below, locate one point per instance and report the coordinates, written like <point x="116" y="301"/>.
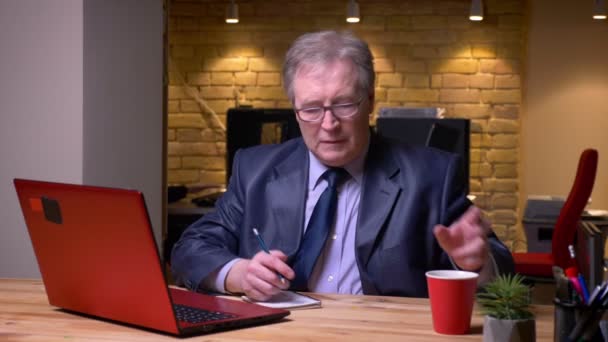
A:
<point x="84" y="99"/>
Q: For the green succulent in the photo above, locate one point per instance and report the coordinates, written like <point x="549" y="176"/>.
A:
<point x="506" y="297"/>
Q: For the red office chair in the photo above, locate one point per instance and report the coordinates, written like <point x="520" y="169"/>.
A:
<point x="540" y="264"/>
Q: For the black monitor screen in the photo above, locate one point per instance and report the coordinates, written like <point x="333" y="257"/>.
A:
<point x="247" y="127"/>
<point x="452" y="135"/>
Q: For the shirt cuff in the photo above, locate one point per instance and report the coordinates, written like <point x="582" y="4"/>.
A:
<point x="487" y="272"/>
<point x="215" y="280"/>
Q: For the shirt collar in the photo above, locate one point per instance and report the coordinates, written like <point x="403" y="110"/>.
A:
<point x="316" y="168"/>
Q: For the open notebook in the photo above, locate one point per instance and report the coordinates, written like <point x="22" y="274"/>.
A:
<point x="288" y="300"/>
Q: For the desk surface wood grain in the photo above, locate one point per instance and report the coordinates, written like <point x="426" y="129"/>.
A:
<point x="25" y="315"/>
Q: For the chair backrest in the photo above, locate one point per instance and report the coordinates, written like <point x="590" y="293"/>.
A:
<point x="567" y="222"/>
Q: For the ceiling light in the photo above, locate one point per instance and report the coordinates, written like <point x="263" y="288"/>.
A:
<point x="352" y="12"/>
<point x="476" y="12"/>
<point x="232" y="13"/>
<point x="599" y="9"/>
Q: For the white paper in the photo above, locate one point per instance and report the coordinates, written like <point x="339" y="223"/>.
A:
<point x="287" y="300"/>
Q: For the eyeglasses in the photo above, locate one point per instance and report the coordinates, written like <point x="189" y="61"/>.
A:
<point x="341" y="110"/>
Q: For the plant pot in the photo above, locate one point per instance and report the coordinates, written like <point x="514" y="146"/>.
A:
<point x="509" y="330"/>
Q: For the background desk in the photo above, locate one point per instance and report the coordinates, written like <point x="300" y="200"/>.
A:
<point x="26" y="316"/>
<point x="179" y="216"/>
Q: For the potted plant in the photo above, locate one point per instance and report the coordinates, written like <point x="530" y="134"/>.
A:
<point x="505" y="303"/>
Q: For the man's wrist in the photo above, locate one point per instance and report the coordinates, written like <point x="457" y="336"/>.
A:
<point x="234" y="276"/>
<point x="216" y="280"/>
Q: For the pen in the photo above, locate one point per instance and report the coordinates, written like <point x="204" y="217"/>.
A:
<point x="583" y="283"/>
<point x="588" y="321"/>
<point x="577" y="288"/>
<point x="265" y="249"/>
<point x="573" y="272"/>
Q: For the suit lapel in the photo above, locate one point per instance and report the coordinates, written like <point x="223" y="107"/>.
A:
<point x="286" y="192"/>
<point x="377" y="199"/>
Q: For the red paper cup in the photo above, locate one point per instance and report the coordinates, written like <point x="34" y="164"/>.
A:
<point x="452" y="294"/>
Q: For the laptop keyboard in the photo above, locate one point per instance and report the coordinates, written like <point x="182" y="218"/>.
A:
<point x="195" y="315"/>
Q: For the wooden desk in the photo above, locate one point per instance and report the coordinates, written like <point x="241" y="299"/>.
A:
<point x="26" y="316"/>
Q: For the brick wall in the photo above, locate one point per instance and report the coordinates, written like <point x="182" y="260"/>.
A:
<point x="427" y="53"/>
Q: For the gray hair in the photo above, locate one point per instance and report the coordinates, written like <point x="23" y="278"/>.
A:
<point x="325" y="47"/>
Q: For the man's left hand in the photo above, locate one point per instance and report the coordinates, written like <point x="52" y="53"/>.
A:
<point x="466" y="240"/>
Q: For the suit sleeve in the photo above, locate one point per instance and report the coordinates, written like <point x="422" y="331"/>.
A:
<point x="213" y="240"/>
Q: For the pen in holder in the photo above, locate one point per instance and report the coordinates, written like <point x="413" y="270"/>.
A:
<point x="578" y="314"/>
<point x="575" y="322"/>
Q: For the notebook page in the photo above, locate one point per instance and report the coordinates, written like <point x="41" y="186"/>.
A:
<point x="288" y="300"/>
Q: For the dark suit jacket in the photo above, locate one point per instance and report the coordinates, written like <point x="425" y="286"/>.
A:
<point x="406" y="191"/>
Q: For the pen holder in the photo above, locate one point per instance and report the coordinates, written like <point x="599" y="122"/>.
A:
<point x="565" y="318"/>
<point x="567" y="315"/>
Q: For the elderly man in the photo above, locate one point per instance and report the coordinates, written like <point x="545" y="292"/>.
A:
<point x="343" y="210"/>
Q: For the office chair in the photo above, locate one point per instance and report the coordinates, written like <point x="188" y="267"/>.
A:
<point x="539" y="265"/>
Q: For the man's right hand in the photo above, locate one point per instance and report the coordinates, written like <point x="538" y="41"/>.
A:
<point x="258" y="278"/>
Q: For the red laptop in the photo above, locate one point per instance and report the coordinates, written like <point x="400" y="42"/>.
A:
<point x="97" y="256"/>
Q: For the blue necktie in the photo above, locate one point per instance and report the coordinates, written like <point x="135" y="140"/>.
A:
<point x="320" y="222"/>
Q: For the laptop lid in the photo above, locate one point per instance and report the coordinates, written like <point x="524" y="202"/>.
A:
<point x="97" y="255"/>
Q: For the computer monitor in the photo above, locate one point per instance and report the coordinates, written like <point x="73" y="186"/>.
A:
<point x="452" y="135"/>
<point x="247" y="127"/>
